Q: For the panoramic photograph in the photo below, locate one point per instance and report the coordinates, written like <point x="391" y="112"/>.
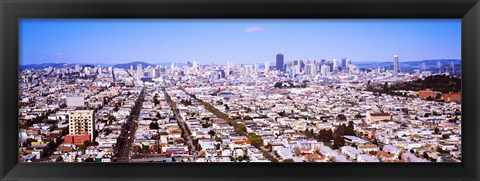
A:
<point x="239" y="90"/>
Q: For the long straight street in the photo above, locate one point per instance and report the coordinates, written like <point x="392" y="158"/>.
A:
<point x="183" y="125"/>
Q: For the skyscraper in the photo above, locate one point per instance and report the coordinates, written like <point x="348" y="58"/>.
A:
<point x="139" y="71"/>
<point x="279" y="62"/>
<point x="267" y="66"/>
<point x="344" y="63"/>
<point x="335" y="65"/>
<point x="347" y="64"/>
<point x="395" y="64"/>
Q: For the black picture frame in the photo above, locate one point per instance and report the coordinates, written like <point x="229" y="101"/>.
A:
<point x="12" y="10"/>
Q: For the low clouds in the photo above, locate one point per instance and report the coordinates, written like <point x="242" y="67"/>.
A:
<point x="253" y="29"/>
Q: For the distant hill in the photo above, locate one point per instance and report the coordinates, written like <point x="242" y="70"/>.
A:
<point x="41" y="66"/>
<point x="144" y="64"/>
<point x="431" y="65"/>
<point x="134" y="64"/>
<point x="124" y="65"/>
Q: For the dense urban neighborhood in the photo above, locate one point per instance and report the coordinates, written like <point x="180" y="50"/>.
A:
<point x="292" y="111"/>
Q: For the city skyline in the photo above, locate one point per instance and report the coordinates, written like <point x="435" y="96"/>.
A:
<point x="236" y="41"/>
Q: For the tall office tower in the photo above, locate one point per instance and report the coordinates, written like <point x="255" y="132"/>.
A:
<point x="131" y="69"/>
<point x="77" y="68"/>
<point x="248" y="70"/>
<point x="424" y="66"/>
<point x="395" y="64"/>
<point x="302" y="64"/>
<point x="344" y="63"/>
<point x="267" y="66"/>
<point x="139" y="71"/>
<point x="295" y="62"/>
<point x="439" y="65"/>
<point x="173" y="65"/>
<point x="452" y="65"/>
<point x="347" y="64"/>
<point x="324" y="70"/>
<point x="335" y="65"/>
<point x="296" y="69"/>
<point x="308" y="69"/>
<point x="256" y="68"/>
<point x="322" y="61"/>
<point x="152" y="72"/>
<point x="312" y="69"/>
<point x="227" y="72"/>
<point x="291" y="72"/>
<point x="279" y="61"/>
<point x="157" y="71"/>
<point x="81" y="121"/>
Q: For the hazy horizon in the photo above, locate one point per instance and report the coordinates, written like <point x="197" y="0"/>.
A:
<point x="157" y="41"/>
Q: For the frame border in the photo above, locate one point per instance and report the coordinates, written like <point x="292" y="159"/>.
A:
<point x="12" y="10"/>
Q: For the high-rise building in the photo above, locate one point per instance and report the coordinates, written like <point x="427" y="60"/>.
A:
<point x="347" y="65"/>
<point x="267" y="66"/>
<point x="395" y="64"/>
<point x="227" y="72"/>
<point x="325" y="70"/>
<point x="256" y="68"/>
<point x="279" y="61"/>
<point x="310" y="69"/>
<point x="81" y="121"/>
<point x="452" y="65"/>
<point x="335" y="65"/>
<point x="344" y="63"/>
<point x="139" y="71"/>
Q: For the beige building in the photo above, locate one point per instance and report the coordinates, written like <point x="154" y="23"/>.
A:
<point x="81" y="121"/>
<point x="377" y="116"/>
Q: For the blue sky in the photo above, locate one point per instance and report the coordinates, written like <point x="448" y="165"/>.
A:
<point x="110" y="41"/>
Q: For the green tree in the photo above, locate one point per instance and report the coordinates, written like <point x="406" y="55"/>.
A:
<point x="154" y="125"/>
<point x="255" y="140"/>
<point x="338" y="142"/>
<point x="349" y="130"/>
<point x="211" y="133"/>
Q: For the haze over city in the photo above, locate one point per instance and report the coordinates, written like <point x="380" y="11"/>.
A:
<point x="238" y="41"/>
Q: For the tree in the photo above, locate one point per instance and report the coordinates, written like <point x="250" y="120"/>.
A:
<point x="385" y="87"/>
<point x="218" y="139"/>
<point x="85" y="145"/>
<point x="255" y="140"/>
<point x="308" y="133"/>
<point x="341" y="117"/>
<point x="296" y="150"/>
<point x="240" y="158"/>
<point x="338" y="142"/>
<point x="350" y="129"/>
<point x="325" y="135"/>
<point x="375" y="141"/>
<point x="358" y="116"/>
<point x="436" y="131"/>
<point x="288" y="161"/>
<point x="341" y="129"/>
<point x="154" y="125"/>
<point x="211" y="133"/>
